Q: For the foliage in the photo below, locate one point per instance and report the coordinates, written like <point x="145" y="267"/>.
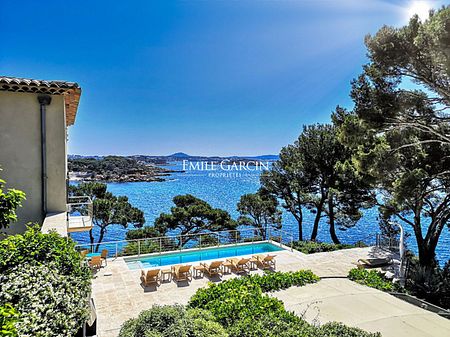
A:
<point x="36" y="248"/>
<point x="50" y="303"/>
<point x="43" y="278"/>
<point x="108" y="208"/>
<point x="173" y="321"/>
<point x="273" y="281"/>
<point x="370" y="278"/>
<point x="430" y="283"/>
<point x="282" y="324"/>
<point x="259" y="210"/>
<point x="8" y="318"/>
<point x="270" y="281"/>
<point x="240" y="305"/>
<point x="333" y="329"/>
<point x="9" y="202"/>
<point x="311" y="247"/>
<point x="230" y="301"/>
<point x="191" y="215"/>
<point x="144" y="247"/>
<point x="400" y="133"/>
<point x="143" y="233"/>
<point x="328" y="185"/>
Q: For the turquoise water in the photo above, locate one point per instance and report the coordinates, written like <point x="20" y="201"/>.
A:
<point x="201" y="255"/>
<point x="224" y="192"/>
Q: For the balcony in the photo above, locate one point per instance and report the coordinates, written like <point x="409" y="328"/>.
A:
<point x="79" y="214"/>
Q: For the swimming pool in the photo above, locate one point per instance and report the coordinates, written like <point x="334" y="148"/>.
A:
<point x="200" y="255"/>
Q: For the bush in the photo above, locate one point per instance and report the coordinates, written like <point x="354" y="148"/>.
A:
<point x="43" y="278"/>
<point x="370" y="278"/>
<point x="283" y="324"/>
<point x="38" y="248"/>
<point x="8" y="318"/>
<point x="333" y="329"/>
<point x="175" y="320"/>
<point x="429" y="283"/>
<point x="230" y="301"/>
<point x="146" y="247"/>
<point x="311" y="247"/>
<point x="50" y="303"/>
<point x="273" y="281"/>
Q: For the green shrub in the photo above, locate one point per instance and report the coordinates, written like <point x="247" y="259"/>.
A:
<point x="43" y="278"/>
<point x="37" y="248"/>
<point x="173" y="321"/>
<point x="281" y="324"/>
<point x="146" y="247"/>
<point x="234" y="299"/>
<point x="273" y="281"/>
<point x="311" y="247"/>
<point x="8" y="318"/>
<point x="430" y="283"/>
<point x="10" y="200"/>
<point x="49" y="303"/>
<point x="370" y="278"/>
<point x="334" y="329"/>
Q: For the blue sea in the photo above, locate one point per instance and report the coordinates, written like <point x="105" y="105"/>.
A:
<point x="223" y="189"/>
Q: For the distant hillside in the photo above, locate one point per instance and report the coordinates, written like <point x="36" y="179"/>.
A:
<point x="179" y="155"/>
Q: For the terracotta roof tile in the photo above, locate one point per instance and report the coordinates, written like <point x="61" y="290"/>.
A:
<point x="71" y="91"/>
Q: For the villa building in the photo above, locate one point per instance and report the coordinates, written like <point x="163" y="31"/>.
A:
<point x="34" y="117"/>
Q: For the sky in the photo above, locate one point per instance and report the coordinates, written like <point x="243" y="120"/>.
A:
<point x="204" y="77"/>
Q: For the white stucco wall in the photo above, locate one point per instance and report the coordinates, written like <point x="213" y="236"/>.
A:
<point x="20" y="153"/>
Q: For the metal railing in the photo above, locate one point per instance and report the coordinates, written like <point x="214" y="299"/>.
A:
<point x="80" y="210"/>
<point x="386" y="241"/>
<point x="189" y="241"/>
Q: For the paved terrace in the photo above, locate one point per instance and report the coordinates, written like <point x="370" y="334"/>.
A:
<point x="118" y="296"/>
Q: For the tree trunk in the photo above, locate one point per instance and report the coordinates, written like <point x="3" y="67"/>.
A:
<point x="100" y="238"/>
<point x="317" y="219"/>
<point x="300" y="227"/>
<point x="91" y="236"/>
<point x="427" y="255"/>
<point x="331" y="217"/>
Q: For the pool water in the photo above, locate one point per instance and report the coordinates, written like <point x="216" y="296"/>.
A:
<point x="200" y="255"/>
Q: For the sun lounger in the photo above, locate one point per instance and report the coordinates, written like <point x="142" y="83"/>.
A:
<point x="96" y="262"/>
<point x="240" y="265"/>
<point x="83" y="253"/>
<point x="374" y="263"/>
<point x="104" y="256"/>
<point x="214" y="268"/>
<point x="150" y="277"/>
<point x="266" y="262"/>
<point x="182" y="273"/>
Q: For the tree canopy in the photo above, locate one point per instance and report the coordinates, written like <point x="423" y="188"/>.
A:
<point x="400" y="131"/>
<point x="259" y="210"/>
<point x="191" y="215"/>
